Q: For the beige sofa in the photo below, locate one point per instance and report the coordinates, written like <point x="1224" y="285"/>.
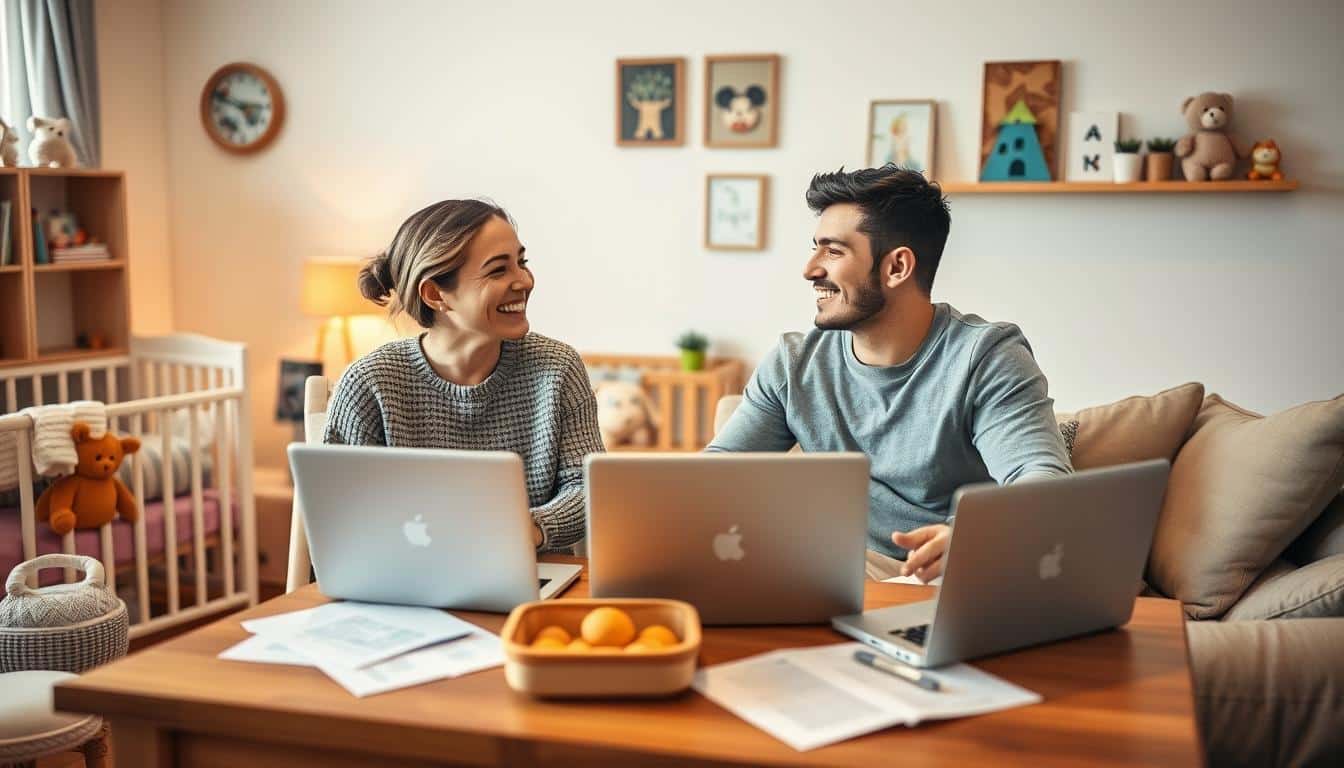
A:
<point x="1251" y="541"/>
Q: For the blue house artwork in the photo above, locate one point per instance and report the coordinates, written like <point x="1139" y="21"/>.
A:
<point x="1017" y="154"/>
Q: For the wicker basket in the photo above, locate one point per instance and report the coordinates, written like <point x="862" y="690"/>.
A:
<point x="66" y="627"/>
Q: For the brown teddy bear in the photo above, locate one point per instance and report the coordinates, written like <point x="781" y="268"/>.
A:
<point x="1208" y="152"/>
<point x="93" y="495"/>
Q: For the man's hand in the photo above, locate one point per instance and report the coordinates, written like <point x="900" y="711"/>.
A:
<point x="927" y="546"/>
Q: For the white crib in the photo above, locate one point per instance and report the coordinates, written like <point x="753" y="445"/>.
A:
<point x="170" y="380"/>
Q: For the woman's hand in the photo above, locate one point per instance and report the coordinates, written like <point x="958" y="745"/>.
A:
<point x="537" y="537"/>
<point x="926" y="548"/>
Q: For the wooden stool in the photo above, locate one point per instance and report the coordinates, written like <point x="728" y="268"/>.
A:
<point x="30" y="728"/>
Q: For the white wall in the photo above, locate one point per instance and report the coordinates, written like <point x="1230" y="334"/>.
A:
<point x="130" y="75"/>
<point x="392" y="109"/>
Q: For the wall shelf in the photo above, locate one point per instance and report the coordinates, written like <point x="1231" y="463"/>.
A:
<point x="82" y="266"/>
<point x="1103" y="188"/>
<point x="64" y="354"/>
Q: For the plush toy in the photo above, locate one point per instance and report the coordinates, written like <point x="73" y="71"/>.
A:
<point x="1208" y="152"/>
<point x="93" y="495"/>
<point x="624" y="414"/>
<point x="50" y="147"/>
<point x="1265" y="159"/>
<point x="9" y="146"/>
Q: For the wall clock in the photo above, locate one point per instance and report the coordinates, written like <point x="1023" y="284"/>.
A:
<point x="242" y="108"/>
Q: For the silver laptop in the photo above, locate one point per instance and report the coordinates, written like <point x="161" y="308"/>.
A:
<point x="448" y="529"/>
<point x="1028" y="564"/>
<point x="768" y="538"/>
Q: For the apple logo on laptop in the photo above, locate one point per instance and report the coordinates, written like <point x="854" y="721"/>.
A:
<point x="416" y="531"/>
<point x="1050" y="567"/>
<point x="728" y="546"/>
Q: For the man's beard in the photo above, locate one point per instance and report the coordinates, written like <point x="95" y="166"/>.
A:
<point x="868" y="301"/>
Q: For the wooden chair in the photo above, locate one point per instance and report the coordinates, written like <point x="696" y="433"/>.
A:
<point x="316" y="395"/>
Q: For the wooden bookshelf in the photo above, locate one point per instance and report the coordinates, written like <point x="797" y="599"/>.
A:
<point x="44" y="308"/>
<point x="1104" y="188"/>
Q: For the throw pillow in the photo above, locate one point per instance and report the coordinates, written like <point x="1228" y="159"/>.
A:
<point x="1069" y="431"/>
<point x="1324" y="538"/>
<point x="1285" y="592"/>
<point x="1134" y="429"/>
<point x="1241" y="489"/>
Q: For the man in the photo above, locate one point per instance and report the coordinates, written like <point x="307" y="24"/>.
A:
<point x="935" y="398"/>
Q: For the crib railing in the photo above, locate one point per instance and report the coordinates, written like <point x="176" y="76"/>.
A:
<point x="176" y="379"/>
<point x="685" y="400"/>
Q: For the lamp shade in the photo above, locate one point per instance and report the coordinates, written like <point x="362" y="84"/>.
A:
<point x="331" y="289"/>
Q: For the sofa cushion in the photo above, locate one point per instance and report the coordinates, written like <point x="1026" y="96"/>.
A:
<point x="1241" y="489"/>
<point x="1324" y="538"/>
<point x="1284" y="591"/>
<point x="1264" y="695"/>
<point x="1134" y="429"/>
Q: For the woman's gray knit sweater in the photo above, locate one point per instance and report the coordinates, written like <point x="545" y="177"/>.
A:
<point x="537" y="403"/>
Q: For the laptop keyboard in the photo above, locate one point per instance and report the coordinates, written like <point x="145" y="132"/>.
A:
<point x="914" y="635"/>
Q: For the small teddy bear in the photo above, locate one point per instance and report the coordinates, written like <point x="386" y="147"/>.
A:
<point x="1208" y="152"/>
<point x="93" y="495"/>
<point x="9" y="146"/>
<point x="624" y="414"/>
<point x="50" y="148"/>
<point x="1265" y="159"/>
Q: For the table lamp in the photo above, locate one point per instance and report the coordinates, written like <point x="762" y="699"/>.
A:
<point x="331" y="289"/>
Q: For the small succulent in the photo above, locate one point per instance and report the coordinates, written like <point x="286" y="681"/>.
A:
<point x="693" y="341"/>
<point x="1128" y="146"/>
<point x="1159" y="144"/>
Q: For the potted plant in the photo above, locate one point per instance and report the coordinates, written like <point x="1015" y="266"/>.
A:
<point x="692" y="347"/>
<point x="1128" y="164"/>
<point x="1160" y="158"/>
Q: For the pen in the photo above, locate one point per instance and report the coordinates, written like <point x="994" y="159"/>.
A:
<point x="908" y="674"/>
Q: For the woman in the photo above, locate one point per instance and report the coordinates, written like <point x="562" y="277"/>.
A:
<point x="476" y="379"/>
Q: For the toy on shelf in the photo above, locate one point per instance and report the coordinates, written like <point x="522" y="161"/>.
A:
<point x="50" y="147"/>
<point x="1265" y="158"/>
<point x="9" y="146"/>
<point x="1208" y="152"/>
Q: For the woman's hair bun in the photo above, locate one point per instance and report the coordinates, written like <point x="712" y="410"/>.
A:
<point x="375" y="279"/>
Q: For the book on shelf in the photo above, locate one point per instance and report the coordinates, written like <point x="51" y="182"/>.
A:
<point x="80" y="253"/>
<point x="40" y="255"/>
<point x="6" y="249"/>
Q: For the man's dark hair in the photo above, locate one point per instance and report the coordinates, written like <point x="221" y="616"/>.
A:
<point x="900" y="208"/>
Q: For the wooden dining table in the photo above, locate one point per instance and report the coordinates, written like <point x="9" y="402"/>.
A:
<point x="1120" y="697"/>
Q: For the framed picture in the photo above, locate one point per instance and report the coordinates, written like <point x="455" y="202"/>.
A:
<point x="742" y="101"/>
<point x="902" y="132"/>
<point x="735" y="211"/>
<point x="289" y="396"/>
<point x="1019" y="125"/>
<point x="650" y="102"/>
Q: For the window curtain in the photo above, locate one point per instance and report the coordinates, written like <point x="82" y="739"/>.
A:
<point x="51" y="70"/>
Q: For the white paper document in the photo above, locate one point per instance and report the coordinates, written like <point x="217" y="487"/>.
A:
<point x="260" y="649"/>
<point x="477" y="651"/>
<point x="811" y="697"/>
<point x="938" y="582"/>
<point x="332" y="636"/>
<point x="352" y="634"/>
